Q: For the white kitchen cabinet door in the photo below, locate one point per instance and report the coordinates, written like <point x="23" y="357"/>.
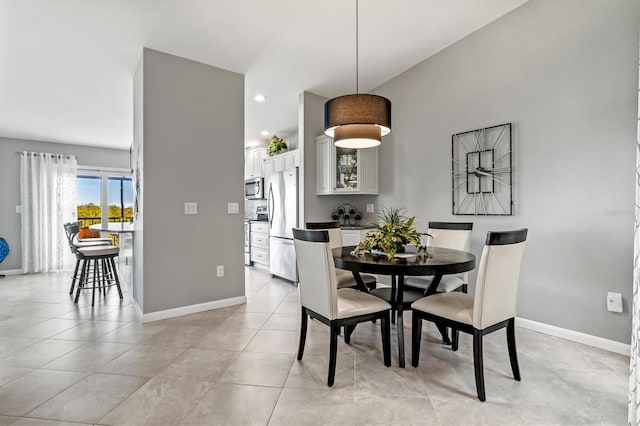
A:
<point x="253" y="160"/>
<point x="279" y="163"/>
<point x="290" y="160"/>
<point x="268" y="168"/>
<point x="369" y="171"/>
<point x="350" y="237"/>
<point x="345" y="171"/>
<point x="323" y="177"/>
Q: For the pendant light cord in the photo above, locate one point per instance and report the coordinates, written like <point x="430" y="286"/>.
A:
<point x="357" y="82"/>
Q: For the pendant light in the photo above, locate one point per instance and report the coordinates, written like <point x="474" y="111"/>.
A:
<point x="358" y="120"/>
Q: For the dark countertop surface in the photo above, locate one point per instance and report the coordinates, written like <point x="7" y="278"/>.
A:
<point x="357" y="228"/>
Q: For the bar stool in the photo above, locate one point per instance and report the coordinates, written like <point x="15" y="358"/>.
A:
<point x="99" y="270"/>
<point x="72" y="230"/>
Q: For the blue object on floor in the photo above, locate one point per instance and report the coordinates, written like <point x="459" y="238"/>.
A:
<point x="4" y="249"/>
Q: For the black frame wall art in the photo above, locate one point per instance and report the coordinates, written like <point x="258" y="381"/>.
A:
<point x="481" y="172"/>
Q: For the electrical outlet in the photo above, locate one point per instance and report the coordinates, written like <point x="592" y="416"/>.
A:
<point x="18" y="209"/>
<point x="614" y="302"/>
<point x="190" y="208"/>
<point x="370" y="208"/>
<point x="220" y="271"/>
<point x="232" y="208"/>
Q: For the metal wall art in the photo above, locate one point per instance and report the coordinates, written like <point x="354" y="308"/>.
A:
<point x="481" y="166"/>
<point x="347" y="215"/>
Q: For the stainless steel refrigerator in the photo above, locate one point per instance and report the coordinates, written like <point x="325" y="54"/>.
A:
<point x="283" y="216"/>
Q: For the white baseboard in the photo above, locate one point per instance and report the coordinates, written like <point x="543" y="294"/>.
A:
<point x="11" y="272"/>
<point x="135" y="305"/>
<point x="192" y="309"/>
<point x="575" y="336"/>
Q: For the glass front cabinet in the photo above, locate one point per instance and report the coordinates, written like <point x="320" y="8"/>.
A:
<point x="344" y="170"/>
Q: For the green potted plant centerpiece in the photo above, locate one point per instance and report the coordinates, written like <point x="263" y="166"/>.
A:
<point x="391" y="234"/>
<point x="276" y="145"/>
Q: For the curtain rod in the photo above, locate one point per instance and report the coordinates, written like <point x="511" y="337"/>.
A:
<point x="104" y="169"/>
<point x="87" y="168"/>
<point x="41" y="153"/>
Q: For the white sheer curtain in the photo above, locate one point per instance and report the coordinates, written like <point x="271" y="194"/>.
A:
<point x="634" y="374"/>
<point x="48" y="198"/>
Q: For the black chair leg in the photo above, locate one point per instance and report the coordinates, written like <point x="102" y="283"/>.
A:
<point x="303" y="331"/>
<point x="445" y="334"/>
<point x="511" y="344"/>
<point x="465" y="287"/>
<point x="333" y="352"/>
<point x="455" y="337"/>
<point x="478" y="364"/>
<point x="385" y="329"/>
<point x="416" y="337"/>
<point x="348" y="330"/>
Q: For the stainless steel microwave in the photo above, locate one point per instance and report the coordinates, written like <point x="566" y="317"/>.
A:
<point x="254" y="189"/>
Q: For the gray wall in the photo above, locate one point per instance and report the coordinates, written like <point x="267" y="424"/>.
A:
<point x="137" y="164"/>
<point x="319" y="207"/>
<point x="193" y="150"/>
<point x="10" y="226"/>
<point x="565" y="73"/>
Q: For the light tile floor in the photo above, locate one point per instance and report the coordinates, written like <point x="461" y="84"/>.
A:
<point x="63" y="364"/>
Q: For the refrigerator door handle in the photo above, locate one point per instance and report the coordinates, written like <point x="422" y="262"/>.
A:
<point x="270" y="212"/>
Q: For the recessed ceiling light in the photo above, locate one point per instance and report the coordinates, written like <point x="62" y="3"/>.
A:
<point x="259" y="98"/>
<point x="265" y="133"/>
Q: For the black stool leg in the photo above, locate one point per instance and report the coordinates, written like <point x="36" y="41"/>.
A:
<point x="81" y="280"/>
<point x="95" y="278"/>
<point x="106" y="276"/>
<point x="75" y="276"/>
<point x="115" y="276"/>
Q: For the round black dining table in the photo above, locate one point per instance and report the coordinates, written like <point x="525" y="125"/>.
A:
<point x="436" y="262"/>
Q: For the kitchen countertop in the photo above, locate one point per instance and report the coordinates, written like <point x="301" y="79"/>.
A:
<point x="357" y="228"/>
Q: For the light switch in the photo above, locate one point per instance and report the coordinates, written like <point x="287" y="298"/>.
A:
<point x="190" y="208"/>
<point x="614" y="302"/>
<point x="18" y="209"/>
<point x="233" y="208"/>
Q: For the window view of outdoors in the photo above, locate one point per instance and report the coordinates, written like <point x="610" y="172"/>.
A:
<point x="119" y="200"/>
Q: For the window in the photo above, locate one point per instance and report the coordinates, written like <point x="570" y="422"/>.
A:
<point x="103" y="196"/>
<point x="120" y="199"/>
<point x="89" y="200"/>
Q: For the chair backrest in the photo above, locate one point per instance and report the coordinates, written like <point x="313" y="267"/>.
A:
<point x="72" y="229"/>
<point x="316" y="272"/>
<point x="452" y="235"/>
<point x="497" y="281"/>
<point x="335" y="234"/>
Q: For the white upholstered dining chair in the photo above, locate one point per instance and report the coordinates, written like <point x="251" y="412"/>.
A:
<point x="344" y="279"/>
<point x="492" y="308"/>
<point x="321" y="299"/>
<point x="451" y="235"/>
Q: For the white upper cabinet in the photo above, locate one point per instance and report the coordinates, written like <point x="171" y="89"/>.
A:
<point x="279" y="163"/>
<point x="253" y="162"/>
<point x="344" y="170"/>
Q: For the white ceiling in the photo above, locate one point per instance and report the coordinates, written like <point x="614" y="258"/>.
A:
<point x="66" y="66"/>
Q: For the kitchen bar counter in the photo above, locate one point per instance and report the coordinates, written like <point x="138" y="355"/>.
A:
<point x="125" y="231"/>
<point x="113" y="227"/>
